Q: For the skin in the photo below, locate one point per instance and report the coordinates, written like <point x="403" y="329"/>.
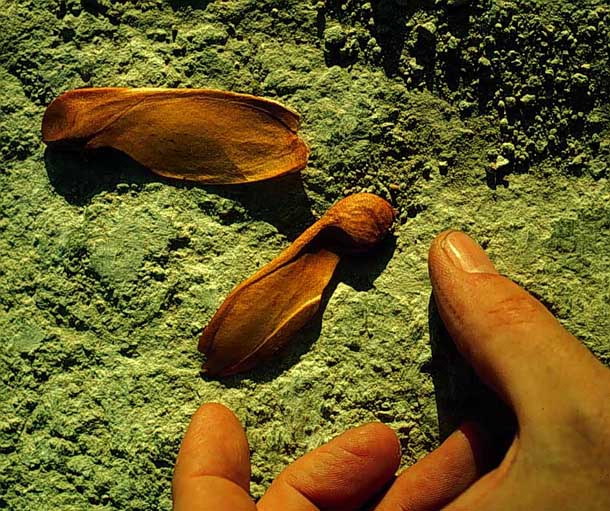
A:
<point x="559" y="458"/>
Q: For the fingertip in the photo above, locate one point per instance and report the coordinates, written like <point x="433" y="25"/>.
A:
<point x="479" y="441"/>
<point x="439" y="477"/>
<point x="440" y="269"/>
<point x="435" y="252"/>
<point x="373" y="445"/>
<point x="374" y="439"/>
<point x="344" y="473"/>
<point x="456" y="252"/>
<point x="214" y="444"/>
<point x="214" y="411"/>
<point x="440" y="237"/>
<point x="466" y="453"/>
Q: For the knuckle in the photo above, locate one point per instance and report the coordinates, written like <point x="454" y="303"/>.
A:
<point x="516" y="309"/>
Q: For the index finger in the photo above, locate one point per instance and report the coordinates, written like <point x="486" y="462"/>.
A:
<point x="512" y="341"/>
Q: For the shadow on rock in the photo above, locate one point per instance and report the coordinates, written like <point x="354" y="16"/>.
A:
<point x="460" y="395"/>
<point x="79" y="176"/>
<point x="359" y="272"/>
<point x="193" y="4"/>
<point x="390" y="21"/>
<point x="281" y="201"/>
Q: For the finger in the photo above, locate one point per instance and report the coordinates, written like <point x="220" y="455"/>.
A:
<point x="213" y="465"/>
<point x="496" y="486"/>
<point x="513" y="342"/>
<point x="442" y="475"/>
<point x="344" y="473"/>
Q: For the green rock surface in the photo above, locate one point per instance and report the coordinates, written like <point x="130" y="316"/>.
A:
<point x="488" y="116"/>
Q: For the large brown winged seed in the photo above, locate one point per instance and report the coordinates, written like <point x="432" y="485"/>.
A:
<point x="209" y="136"/>
<point x="264" y="312"/>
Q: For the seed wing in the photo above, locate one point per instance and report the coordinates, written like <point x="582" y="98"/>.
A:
<point x="212" y="137"/>
<point x="262" y="315"/>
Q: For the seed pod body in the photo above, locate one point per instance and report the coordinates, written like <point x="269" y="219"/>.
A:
<point x="209" y="136"/>
<point x="263" y="313"/>
<point x="363" y="218"/>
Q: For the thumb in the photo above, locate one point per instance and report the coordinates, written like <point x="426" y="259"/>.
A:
<point x="513" y="342"/>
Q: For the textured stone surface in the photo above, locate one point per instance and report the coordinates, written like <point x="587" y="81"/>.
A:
<point x="488" y="116"/>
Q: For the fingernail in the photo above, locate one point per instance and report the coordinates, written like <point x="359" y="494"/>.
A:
<point x="466" y="254"/>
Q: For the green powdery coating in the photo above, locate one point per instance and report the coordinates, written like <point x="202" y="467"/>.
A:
<point x="488" y="116"/>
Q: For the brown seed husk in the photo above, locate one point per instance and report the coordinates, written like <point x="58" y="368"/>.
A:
<point x="263" y="313"/>
<point x="208" y="136"/>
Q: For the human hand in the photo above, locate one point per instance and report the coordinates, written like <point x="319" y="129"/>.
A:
<point x="557" y="389"/>
<point x="212" y="472"/>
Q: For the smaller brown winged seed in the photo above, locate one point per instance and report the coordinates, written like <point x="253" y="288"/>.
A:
<point x="264" y="312"/>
